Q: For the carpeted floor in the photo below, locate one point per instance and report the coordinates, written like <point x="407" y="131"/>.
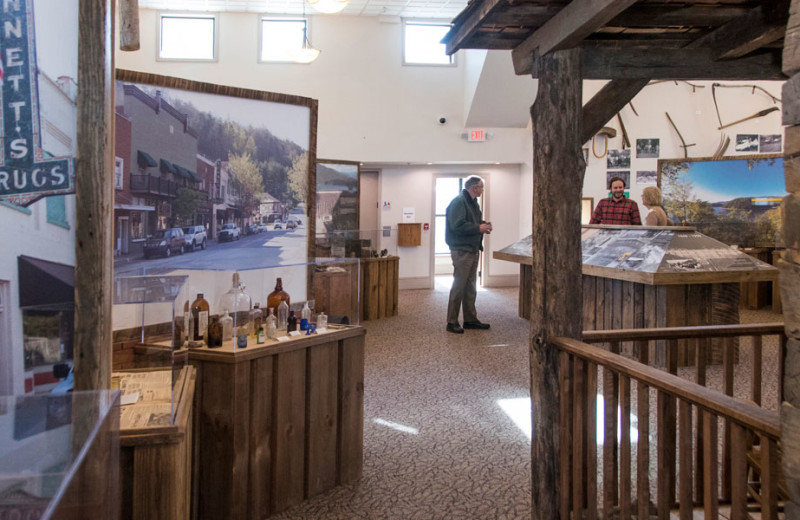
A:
<point x="440" y="437"/>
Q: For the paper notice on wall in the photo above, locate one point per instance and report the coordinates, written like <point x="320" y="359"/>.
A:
<point x="409" y="214"/>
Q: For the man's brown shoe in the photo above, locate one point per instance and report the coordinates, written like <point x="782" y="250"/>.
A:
<point x="475" y="325"/>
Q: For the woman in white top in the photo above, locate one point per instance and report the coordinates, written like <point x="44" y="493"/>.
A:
<point x="651" y="198"/>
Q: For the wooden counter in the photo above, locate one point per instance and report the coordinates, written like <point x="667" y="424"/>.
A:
<point x="277" y="423"/>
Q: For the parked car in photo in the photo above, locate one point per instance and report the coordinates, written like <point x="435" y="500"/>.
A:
<point x="278" y="225"/>
<point x="194" y="236"/>
<point x="165" y="242"/>
<point x="229" y="231"/>
<point x="262" y="228"/>
<point x="291" y="223"/>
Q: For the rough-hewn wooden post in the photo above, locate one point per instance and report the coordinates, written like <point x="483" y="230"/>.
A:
<point x="94" y="196"/>
<point x="790" y="264"/>
<point x="556" y="288"/>
<point x="129" y="25"/>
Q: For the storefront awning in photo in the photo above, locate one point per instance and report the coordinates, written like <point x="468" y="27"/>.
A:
<point x="45" y="285"/>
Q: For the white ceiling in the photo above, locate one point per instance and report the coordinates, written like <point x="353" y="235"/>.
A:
<point x="439" y="9"/>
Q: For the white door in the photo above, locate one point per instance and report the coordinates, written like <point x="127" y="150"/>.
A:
<point x="368" y="200"/>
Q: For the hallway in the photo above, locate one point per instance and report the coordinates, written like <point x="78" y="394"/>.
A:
<point x="440" y="440"/>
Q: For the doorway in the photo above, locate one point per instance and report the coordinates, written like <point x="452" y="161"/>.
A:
<point x="445" y="189"/>
<point x="368" y="200"/>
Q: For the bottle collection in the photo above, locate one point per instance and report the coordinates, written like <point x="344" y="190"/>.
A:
<point x="238" y="318"/>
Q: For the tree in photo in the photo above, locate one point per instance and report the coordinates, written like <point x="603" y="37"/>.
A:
<point x="298" y="178"/>
<point x="186" y="204"/>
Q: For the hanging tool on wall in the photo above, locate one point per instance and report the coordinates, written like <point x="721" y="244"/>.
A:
<point x="606" y="133"/>
<point x="626" y="142"/>
<point x="760" y="113"/>
<point x="724" y="141"/>
<point x="683" y="141"/>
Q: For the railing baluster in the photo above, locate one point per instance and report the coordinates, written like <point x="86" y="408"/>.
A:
<point x="710" y="479"/>
<point x="728" y="359"/>
<point x="643" y="450"/>
<point x="755" y="385"/>
<point x="685" y="455"/>
<point x="591" y="441"/>
<point x="610" y="447"/>
<point x="738" y="472"/>
<point x="578" y="436"/>
<point x="666" y="454"/>
<point x="781" y="360"/>
<point x="700" y="379"/>
<point x="565" y="429"/>
<point x="625" y="449"/>
<point x="769" y="479"/>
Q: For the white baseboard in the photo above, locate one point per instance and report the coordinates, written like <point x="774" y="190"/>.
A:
<point x="419" y="282"/>
<point x="503" y="280"/>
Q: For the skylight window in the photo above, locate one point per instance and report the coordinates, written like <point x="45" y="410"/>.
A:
<point x="282" y="38"/>
<point x="187" y="37"/>
<point x="422" y="43"/>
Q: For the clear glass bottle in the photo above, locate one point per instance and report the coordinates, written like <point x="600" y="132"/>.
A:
<point x="256" y="318"/>
<point x="200" y="310"/>
<point x="283" y="315"/>
<point x="277" y="296"/>
<point x="272" y="326"/>
<point x="305" y="317"/>
<point x="238" y="303"/>
<point x="188" y="321"/>
<point x="322" y="321"/>
<point x="227" y="326"/>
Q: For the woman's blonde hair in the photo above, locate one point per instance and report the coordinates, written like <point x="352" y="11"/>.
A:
<point x="651" y="196"/>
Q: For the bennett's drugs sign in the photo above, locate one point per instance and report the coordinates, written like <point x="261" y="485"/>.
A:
<point x="26" y="175"/>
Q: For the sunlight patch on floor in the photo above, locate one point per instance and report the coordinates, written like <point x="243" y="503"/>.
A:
<point x="519" y="411"/>
<point x="397" y="426"/>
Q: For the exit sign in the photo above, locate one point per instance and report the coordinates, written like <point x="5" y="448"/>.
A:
<point x="476" y="135"/>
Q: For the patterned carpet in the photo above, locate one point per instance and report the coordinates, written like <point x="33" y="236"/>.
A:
<point x="437" y="443"/>
<point x="440" y="439"/>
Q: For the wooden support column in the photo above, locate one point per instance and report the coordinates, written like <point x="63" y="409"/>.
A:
<point x="94" y="196"/>
<point x="556" y="299"/>
<point x="789" y="264"/>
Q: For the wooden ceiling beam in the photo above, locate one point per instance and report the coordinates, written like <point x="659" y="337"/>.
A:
<point x="608" y="102"/>
<point x="567" y="29"/>
<point x="647" y="15"/>
<point x="743" y="35"/>
<point x="615" y="63"/>
<point x="467" y="23"/>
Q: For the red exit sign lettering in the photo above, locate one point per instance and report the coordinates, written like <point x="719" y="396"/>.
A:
<point x="477" y="135"/>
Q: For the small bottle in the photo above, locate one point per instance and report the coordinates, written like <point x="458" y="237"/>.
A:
<point x="283" y="315"/>
<point x="260" y="335"/>
<point x="291" y="322"/>
<point x="256" y="317"/>
<point x="200" y="315"/>
<point x="227" y="326"/>
<point x="215" y="333"/>
<point x="322" y="321"/>
<point x="188" y="321"/>
<point x="272" y="327"/>
<point x="305" y="317"/>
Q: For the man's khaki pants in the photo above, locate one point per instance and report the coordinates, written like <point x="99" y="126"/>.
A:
<point x="464" y="291"/>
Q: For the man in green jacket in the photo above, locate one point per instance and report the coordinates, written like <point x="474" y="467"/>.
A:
<point x="464" y="234"/>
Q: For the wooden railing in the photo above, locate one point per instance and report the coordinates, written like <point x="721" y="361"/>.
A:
<point x="686" y="441"/>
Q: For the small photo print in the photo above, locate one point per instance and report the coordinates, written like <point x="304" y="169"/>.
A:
<point x="618" y="159"/>
<point x="647" y="148"/>
<point x="624" y="175"/>
<point x="648" y="177"/>
<point x="746" y="142"/>
<point x="769" y="143"/>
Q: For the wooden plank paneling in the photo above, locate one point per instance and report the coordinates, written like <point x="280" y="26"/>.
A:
<point x="289" y="405"/>
<point x="322" y="395"/>
<point x="351" y="409"/>
<point x="589" y="287"/>
<point x="261" y="431"/>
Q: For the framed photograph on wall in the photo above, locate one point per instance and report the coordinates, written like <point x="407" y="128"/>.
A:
<point x="337" y="195"/>
<point x="770" y="143"/>
<point x="618" y="158"/>
<point x="647" y="148"/>
<point x="198" y="154"/>
<point x="746" y="143"/>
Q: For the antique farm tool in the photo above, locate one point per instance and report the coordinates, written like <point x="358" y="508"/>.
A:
<point x="724" y="141"/>
<point x="626" y="143"/>
<point x="758" y="114"/>
<point x="683" y="141"/>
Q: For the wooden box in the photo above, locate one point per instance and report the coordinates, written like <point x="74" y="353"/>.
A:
<point x="409" y="235"/>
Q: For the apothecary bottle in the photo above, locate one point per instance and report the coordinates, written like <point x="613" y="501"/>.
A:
<point x="199" y="311"/>
<point x="322" y="321"/>
<point x="188" y="321"/>
<point x="256" y="318"/>
<point x="272" y="327"/>
<point x="305" y="317"/>
<point x="277" y="296"/>
<point x="283" y="315"/>
<point x="237" y="302"/>
<point x="291" y="323"/>
<point x="227" y="326"/>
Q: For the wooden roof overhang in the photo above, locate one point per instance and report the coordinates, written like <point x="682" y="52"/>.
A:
<point x="627" y="39"/>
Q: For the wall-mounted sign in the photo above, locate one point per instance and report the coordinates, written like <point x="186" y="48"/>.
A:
<point x="477" y="135"/>
<point x="26" y="174"/>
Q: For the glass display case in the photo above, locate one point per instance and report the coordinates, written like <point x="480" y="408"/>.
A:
<point x="359" y="243"/>
<point x="56" y="454"/>
<point x="160" y="316"/>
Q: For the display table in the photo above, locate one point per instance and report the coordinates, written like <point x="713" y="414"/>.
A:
<point x="156" y="460"/>
<point x="646" y="277"/>
<point x="277" y="423"/>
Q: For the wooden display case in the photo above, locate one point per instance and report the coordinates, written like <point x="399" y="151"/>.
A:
<point x="277" y="423"/>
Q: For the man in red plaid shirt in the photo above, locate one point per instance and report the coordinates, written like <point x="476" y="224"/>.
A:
<point x="617" y="210"/>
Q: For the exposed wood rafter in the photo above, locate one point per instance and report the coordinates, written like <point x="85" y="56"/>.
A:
<point x="567" y="29"/>
<point x="607" y="102"/>
<point x="743" y="35"/>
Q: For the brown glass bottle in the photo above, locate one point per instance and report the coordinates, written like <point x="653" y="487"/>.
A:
<point x="277" y="296"/>
<point x="200" y="316"/>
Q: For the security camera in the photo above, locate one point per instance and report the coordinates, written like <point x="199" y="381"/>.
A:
<point x="442" y="120"/>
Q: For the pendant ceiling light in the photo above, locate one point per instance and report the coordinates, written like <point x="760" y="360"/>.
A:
<point x="328" y="6"/>
<point x="307" y="53"/>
